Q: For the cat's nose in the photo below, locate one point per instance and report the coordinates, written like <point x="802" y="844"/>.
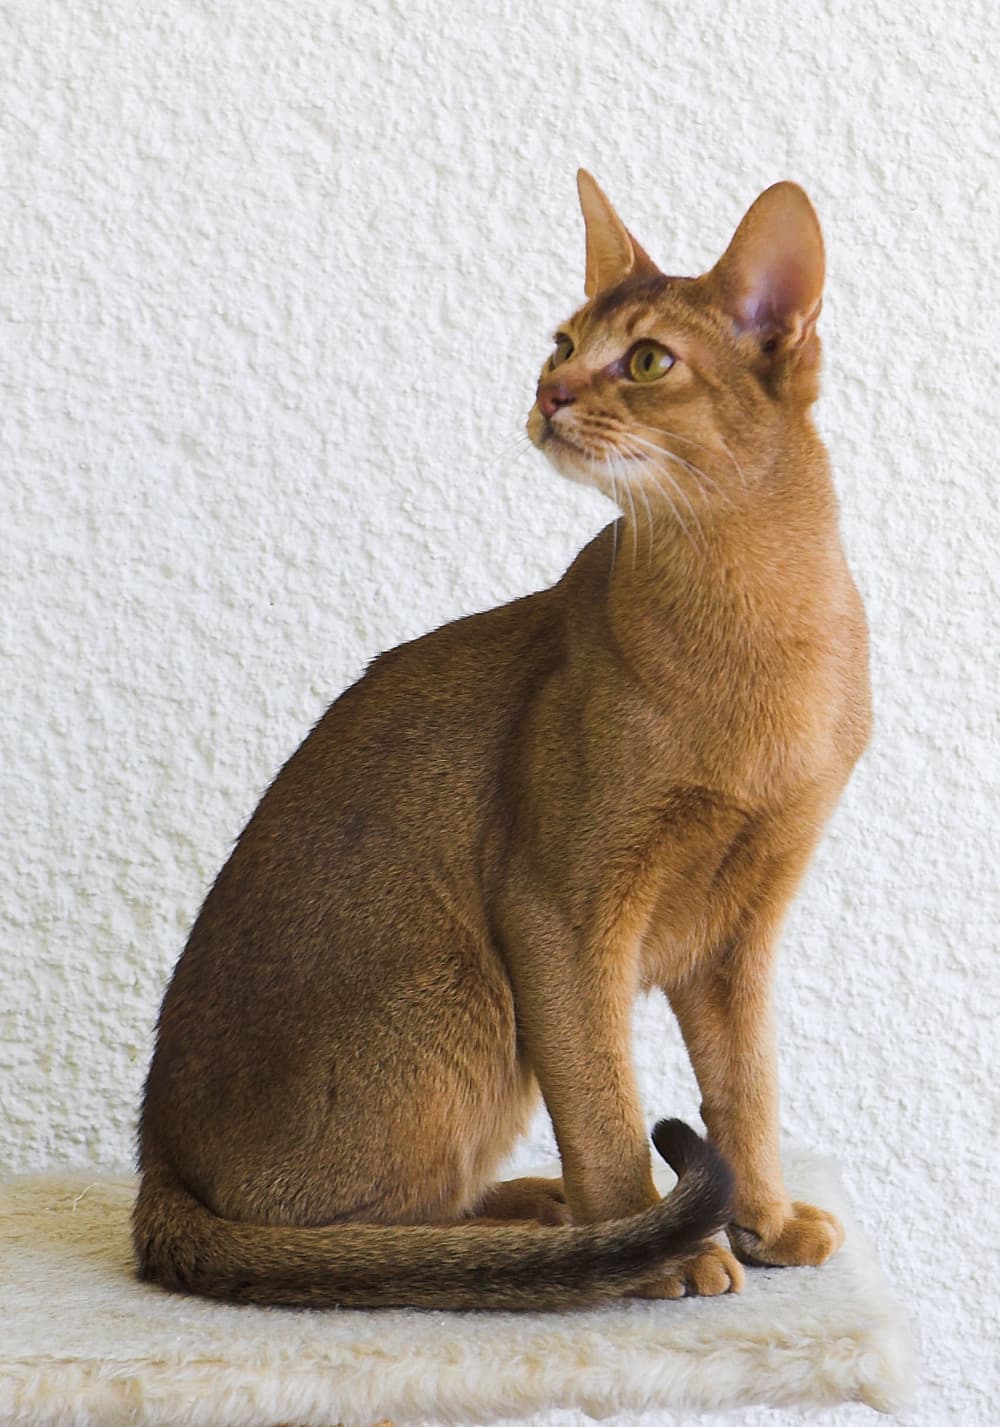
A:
<point x="552" y="395"/>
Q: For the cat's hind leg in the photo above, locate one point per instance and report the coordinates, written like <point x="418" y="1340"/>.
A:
<point x="541" y="1200"/>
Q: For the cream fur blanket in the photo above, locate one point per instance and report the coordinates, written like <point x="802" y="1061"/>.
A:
<point x="83" y="1342"/>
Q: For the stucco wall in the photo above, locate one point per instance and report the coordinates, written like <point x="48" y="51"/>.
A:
<point x="275" y="282"/>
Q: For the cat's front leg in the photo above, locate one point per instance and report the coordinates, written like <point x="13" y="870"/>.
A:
<point x="725" y="1016"/>
<point x="574" y="991"/>
<point x="573" y="995"/>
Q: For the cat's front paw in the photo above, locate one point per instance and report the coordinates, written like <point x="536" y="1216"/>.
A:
<point x="806" y="1236"/>
<point x="710" y="1270"/>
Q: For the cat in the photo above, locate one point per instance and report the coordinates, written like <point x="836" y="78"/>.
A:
<point x="452" y="893"/>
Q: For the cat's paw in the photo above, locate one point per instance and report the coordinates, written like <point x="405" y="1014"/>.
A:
<point x="542" y="1201"/>
<point x="806" y="1236"/>
<point x="547" y="1206"/>
<point x="711" y="1270"/>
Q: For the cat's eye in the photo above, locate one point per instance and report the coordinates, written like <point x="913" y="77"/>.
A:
<point x="563" y="352"/>
<point x="648" y="362"/>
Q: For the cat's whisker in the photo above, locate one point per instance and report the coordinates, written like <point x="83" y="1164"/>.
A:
<point x="649" y="518"/>
<point x="676" y="436"/>
<point x="615" y="469"/>
<point x="661" y="471"/>
<point x="635" y="533"/>
<point x="628" y="436"/>
<point x="656" y="470"/>
<point x="512" y="450"/>
<point x="699" y="473"/>
<point x="694" y="470"/>
<point x="739" y="468"/>
<point x="646" y="468"/>
<point x="520" y="441"/>
<point x="627" y="486"/>
<point x="620" y="459"/>
<point x="618" y="475"/>
<point x="614" y="528"/>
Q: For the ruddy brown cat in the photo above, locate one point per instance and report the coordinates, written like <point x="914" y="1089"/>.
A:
<point x="451" y="894"/>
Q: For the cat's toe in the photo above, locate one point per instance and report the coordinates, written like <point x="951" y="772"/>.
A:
<point x="710" y="1271"/>
<point x="807" y="1237"/>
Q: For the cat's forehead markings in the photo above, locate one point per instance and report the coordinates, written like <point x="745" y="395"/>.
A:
<point x="636" y="305"/>
<point x="638" y="290"/>
<point x="639" y="316"/>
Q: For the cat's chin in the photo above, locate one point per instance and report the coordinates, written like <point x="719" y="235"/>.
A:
<point x="571" y="463"/>
<point x="570" y="460"/>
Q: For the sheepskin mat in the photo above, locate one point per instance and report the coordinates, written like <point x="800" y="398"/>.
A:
<point x="84" y="1344"/>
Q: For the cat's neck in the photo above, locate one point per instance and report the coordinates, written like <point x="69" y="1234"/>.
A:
<point x="715" y="579"/>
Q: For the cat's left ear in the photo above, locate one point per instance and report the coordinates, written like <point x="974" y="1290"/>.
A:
<point x="770" y="278"/>
<point x="612" y="253"/>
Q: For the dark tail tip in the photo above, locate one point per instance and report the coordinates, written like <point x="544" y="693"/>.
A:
<point x="686" y="1152"/>
<point x="679" y="1145"/>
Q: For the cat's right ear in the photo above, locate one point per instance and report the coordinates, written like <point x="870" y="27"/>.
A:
<point x="612" y="253"/>
<point x="770" y="278"/>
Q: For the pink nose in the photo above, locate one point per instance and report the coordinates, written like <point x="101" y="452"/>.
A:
<point x="552" y="395"/>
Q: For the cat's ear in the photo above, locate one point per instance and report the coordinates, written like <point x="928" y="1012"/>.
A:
<point x="612" y="253"/>
<point x="770" y="278"/>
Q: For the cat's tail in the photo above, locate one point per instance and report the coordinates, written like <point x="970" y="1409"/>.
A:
<point x="183" y="1245"/>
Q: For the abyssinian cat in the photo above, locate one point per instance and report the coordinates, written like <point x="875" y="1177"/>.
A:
<point x="451" y="894"/>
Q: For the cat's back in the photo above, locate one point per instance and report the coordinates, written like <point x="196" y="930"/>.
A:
<point x="419" y="735"/>
<point x="399" y="775"/>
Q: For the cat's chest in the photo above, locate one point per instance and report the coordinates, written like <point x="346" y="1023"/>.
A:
<point x="745" y="778"/>
<point x="719" y="868"/>
<point x="746" y="699"/>
<point x="750" y="732"/>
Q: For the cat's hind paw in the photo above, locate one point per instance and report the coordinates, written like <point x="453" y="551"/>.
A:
<point x="542" y="1201"/>
<point x="711" y="1270"/>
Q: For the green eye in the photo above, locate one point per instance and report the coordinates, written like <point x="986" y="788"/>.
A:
<point x="562" y="353"/>
<point x="648" y="362"/>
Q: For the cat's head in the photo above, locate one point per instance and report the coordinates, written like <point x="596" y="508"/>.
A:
<point x="688" y="388"/>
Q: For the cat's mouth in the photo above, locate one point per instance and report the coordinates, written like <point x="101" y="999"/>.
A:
<point x="544" y="435"/>
<point x="569" y="456"/>
<point x="574" y="456"/>
<point x="572" y="449"/>
<point x="562" y="442"/>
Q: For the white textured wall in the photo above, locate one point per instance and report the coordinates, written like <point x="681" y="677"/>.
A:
<point x="274" y="283"/>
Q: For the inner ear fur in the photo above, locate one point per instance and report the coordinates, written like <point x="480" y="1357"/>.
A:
<point x="612" y="253"/>
<point x="770" y="278"/>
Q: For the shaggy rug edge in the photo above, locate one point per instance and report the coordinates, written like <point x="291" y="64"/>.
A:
<point x="869" y="1364"/>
